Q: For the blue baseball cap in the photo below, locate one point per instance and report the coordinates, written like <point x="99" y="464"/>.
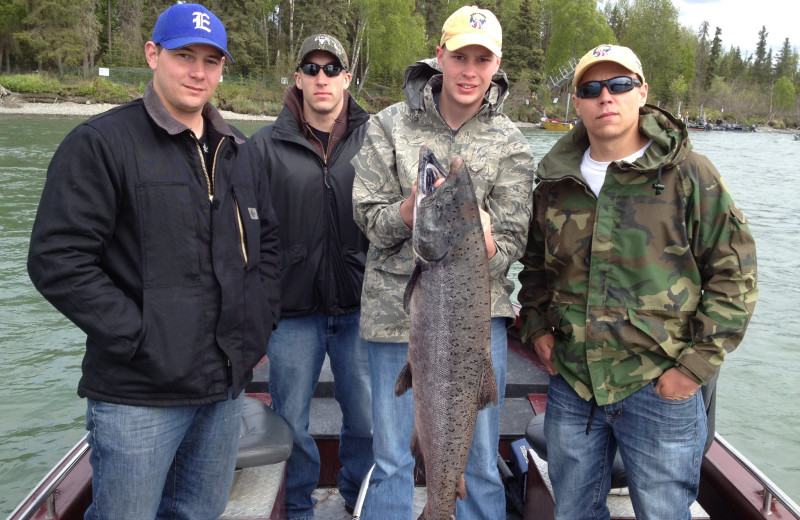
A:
<point x="187" y="24"/>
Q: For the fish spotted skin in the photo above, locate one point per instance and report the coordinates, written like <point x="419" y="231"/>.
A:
<point x="449" y="364"/>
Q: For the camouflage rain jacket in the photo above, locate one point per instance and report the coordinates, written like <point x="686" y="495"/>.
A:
<point x="501" y="166"/>
<point x="632" y="282"/>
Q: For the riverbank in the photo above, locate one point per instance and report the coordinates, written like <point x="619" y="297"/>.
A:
<point x="13" y="105"/>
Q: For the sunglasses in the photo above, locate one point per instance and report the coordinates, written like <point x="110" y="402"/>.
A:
<point x="312" y="69"/>
<point x="618" y="85"/>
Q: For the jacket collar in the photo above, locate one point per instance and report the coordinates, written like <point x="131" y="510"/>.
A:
<point x="159" y="113"/>
<point x="351" y="115"/>
<point x="670" y="146"/>
<point x="426" y="74"/>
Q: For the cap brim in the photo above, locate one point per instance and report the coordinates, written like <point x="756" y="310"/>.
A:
<point x="177" y="43"/>
<point x="462" y="40"/>
<point x="578" y="77"/>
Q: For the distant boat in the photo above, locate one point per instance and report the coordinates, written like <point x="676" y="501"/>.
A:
<point x="556" y="124"/>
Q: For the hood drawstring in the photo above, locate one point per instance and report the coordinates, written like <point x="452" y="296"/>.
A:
<point x="657" y="185"/>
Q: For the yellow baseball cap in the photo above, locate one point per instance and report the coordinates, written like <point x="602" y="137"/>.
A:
<point x="607" y="52"/>
<point x="471" y="25"/>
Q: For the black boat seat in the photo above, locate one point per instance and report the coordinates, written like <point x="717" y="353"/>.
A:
<point x="265" y="437"/>
<point x="534" y="434"/>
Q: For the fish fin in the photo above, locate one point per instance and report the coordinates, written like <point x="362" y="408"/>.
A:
<point x="487" y="395"/>
<point x="403" y="380"/>
<point x="410" y="287"/>
<point x="461" y="488"/>
<point x="416" y="451"/>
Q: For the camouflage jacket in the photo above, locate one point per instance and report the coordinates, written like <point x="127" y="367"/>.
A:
<point x="501" y="166"/>
<point x="632" y="282"/>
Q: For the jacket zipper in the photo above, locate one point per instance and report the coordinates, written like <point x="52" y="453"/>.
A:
<point x="240" y="223"/>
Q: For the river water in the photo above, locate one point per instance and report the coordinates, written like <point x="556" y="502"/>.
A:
<point x="41" y="416"/>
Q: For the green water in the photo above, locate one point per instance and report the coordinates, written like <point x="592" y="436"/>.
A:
<point x="41" y="416"/>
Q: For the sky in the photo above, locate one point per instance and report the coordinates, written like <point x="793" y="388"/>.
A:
<point x="741" y="21"/>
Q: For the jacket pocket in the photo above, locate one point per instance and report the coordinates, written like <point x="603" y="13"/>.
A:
<point x="168" y="353"/>
<point x="167" y="221"/>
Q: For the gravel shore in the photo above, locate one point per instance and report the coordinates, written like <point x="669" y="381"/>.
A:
<point x="13" y="105"/>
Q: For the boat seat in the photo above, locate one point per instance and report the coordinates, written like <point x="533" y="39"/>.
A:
<point x="534" y="434"/>
<point x="265" y="437"/>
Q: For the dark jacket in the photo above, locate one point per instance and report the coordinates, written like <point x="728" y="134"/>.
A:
<point x="176" y="291"/>
<point x="322" y="250"/>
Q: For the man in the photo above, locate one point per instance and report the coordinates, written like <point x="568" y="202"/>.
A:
<point x="453" y="105"/>
<point x="156" y="236"/>
<point x="307" y="152"/>
<point x="638" y="277"/>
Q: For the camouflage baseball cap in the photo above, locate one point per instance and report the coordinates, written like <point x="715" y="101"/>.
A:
<point x="322" y="42"/>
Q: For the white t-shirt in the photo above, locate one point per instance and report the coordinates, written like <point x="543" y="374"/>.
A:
<point x="595" y="171"/>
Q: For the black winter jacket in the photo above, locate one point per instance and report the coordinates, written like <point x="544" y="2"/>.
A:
<point x="322" y="250"/>
<point x="177" y="293"/>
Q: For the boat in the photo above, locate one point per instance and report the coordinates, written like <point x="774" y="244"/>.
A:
<point x="556" y="124"/>
<point x="731" y="487"/>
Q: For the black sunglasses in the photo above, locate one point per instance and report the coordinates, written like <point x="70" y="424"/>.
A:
<point x="312" y="69"/>
<point x="618" y="85"/>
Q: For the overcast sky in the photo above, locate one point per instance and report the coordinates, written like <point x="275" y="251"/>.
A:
<point x="741" y="21"/>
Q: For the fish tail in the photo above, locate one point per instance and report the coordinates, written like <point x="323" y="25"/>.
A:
<point x="404" y="380"/>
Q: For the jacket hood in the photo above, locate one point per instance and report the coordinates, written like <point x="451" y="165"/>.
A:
<point x="418" y="75"/>
<point x="669" y="148"/>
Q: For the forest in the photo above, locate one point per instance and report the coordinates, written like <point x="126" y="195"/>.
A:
<point x="688" y="69"/>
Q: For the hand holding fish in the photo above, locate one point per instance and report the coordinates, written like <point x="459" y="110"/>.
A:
<point x="407" y="207"/>
<point x="486" y="224"/>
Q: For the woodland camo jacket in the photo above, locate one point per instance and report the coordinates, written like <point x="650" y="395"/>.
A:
<point x="500" y="164"/>
<point x="634" y="282"/>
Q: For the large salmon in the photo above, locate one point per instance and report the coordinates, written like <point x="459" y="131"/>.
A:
<point x="449" y="363"/>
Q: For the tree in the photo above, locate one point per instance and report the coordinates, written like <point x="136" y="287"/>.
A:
<point x="783" y="94"/>
<point x="617" y="15"/>
<point x="130" y="43"/>
<point x="523" y="58"/>
<point x="393" y="38"/>
<point x="52" y="33"/>
<point x="701" y="54"/>
<point x="762" y="67"/>
<point x="573" y="28"/>
<point x="12" y="14"/>
<point x="713" y="59"/>
<point x="786" y="62"/>
<point x="665" y="49"/>
<point x="88" y="30"/>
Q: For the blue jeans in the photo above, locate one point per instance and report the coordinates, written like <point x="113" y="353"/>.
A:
<point x="296" y="353"/>
<point x="660" y="441"/>
<point x="391" y="490"/>
<point x="162" y="462"/>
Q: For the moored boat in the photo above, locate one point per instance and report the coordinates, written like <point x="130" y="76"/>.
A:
<point x="731" y="487"/>
<point x="556" y="124"/>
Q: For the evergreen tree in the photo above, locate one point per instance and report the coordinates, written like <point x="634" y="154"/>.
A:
<point x="786" y="62"/>
<point x="523" y="58"/>
<point x="12" y="14"/>
<point x="713" y="59"/>
<point x="701" y="54"/>
<point x="761" y="67"/>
